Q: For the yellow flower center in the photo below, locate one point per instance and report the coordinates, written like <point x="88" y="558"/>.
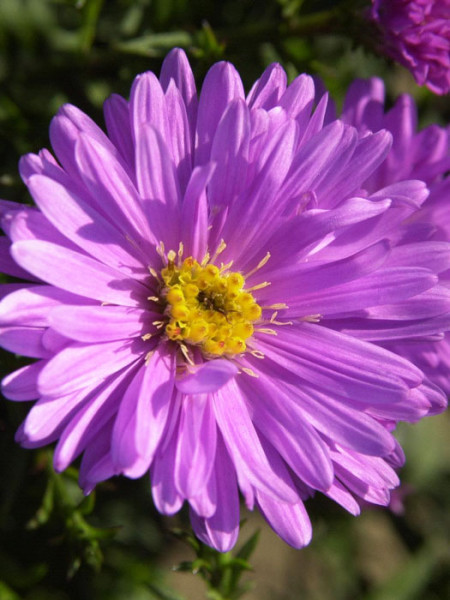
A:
<point x="208" y="307"/>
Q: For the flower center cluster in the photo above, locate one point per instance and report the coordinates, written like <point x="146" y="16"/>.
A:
<point x="208" y="307"/>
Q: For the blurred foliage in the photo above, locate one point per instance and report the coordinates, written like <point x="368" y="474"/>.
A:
<point x="55" y="544"/>
<point x="221" y="571"/>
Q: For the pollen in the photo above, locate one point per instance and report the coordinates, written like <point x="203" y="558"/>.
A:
<point x="207" y="307"/>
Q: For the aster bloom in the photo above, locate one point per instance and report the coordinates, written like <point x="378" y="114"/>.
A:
<point x="424" y="154"/>
<point x="187" y="272"/>
<point x="416" y="33"/>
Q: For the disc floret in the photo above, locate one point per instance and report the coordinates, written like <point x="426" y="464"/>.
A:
<point x="208" y="307"/>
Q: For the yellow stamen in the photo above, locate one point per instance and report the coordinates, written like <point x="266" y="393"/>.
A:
<point x="279" y="306"/>
<point x="311" y="318"/>
<point x="249" y="372"/>
<point x="206" y="307"/>
<point x="259" y="286"/>
<point x="220" y="248"/>
<point x="259" y="265"/>
<point x="266" y="331"/>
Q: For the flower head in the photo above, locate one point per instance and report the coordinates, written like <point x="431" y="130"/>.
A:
<point x="190" y="273"/>
<point x="416" y="33"/>
<point x="425" y="155"/>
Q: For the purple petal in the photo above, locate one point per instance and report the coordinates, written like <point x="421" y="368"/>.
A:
<point x="21" y="385"/>
<point x="222" y="529"/>
<point x="209" y="377"/>
<point x="196" y="446"/>
<point x="194" y="213"/>
<point x="221" y="85"/>
<point x="97" y="410"/>
<point x="80" y="365"/>
<point x="142" y="415"/>
<point x="83" y="225"/>
<point x="243" y="445"/>
<point x="100" y="323"/>
<point x="77" y="273"/>
<point x="117" y="119"/>
<point x="176" y="68"/>
<point x="290" y="521"/>
<point x="31" y="305"/>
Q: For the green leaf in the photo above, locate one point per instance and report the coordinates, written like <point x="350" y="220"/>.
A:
<point x="155" y="44"/>
<point x="249" y="546"/>
<point x="91" y="13"/>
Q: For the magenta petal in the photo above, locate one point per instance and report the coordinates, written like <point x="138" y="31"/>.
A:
<point x="222" y="84"/>
<point x="82" y="224"/>
<point x="48" y="417"/>
<point x="142" y="415"/>
<point x="266" y="92"/>
<point x="176" y="68"/>
<point x="31" y="306"/>
<point x="80" y="365"/>
<point x="209" y="377"/>
<point x="196" y="447"/>
<point x="165" y="495"/>
<point x="7" y="265"/>
<point x="96" y="412"/>
<point x="100" y="323"/>
<point x="244" y="446"/>
<point x="21" y="385"/>
<point x="222" y="528"/>
<point x="77" y="273"/>
<point x="117" y="119"/>
<point x="194" y="213"/>
<point x="26" y="341"/>
<point x="147" y="105"/>
<point x="290" y="521"/>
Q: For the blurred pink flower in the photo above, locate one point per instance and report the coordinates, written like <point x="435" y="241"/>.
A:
<point x="416" y="33"/>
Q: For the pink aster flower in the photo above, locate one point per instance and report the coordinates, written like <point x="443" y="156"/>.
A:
<point x="416" y="33"/>
<point x="423" y="154"/>
<point x="187" y="270"/>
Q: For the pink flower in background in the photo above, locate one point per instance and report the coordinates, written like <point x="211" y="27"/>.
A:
<point x="416" y="33"/>
<point x="189" y="275"/>
<point x="425" y="155"/>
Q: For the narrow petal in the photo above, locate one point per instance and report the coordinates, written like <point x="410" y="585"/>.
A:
<point x="243" y="445"/>
<point x="100" y="323"/>
<point x="290" y="521"/>
<point x="196" y="446"/>
<point x="148" y="105"/>
<point x="142" y="414"/>
<point x="21" y="385"/>
<point x="194" y="213"/>
<point x="25" y="341"/>
<point x="267" y="90"/>
<point x="165" y="495"/>
<point x="117" y="119"/>
<point x="48" y="417"/>
<point x="221" y="85"/>
<point x="91" y="418"/>
<point x="30" y="306"/>
<point x="222" y="529"/>
<point x="83" y="225"/>
<point x="176" y="68"/>
<point x="78" y="273"/>
<point x="209" y="377"/>
<point x="80" y="365"/>
<point x="113" y="191"/>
